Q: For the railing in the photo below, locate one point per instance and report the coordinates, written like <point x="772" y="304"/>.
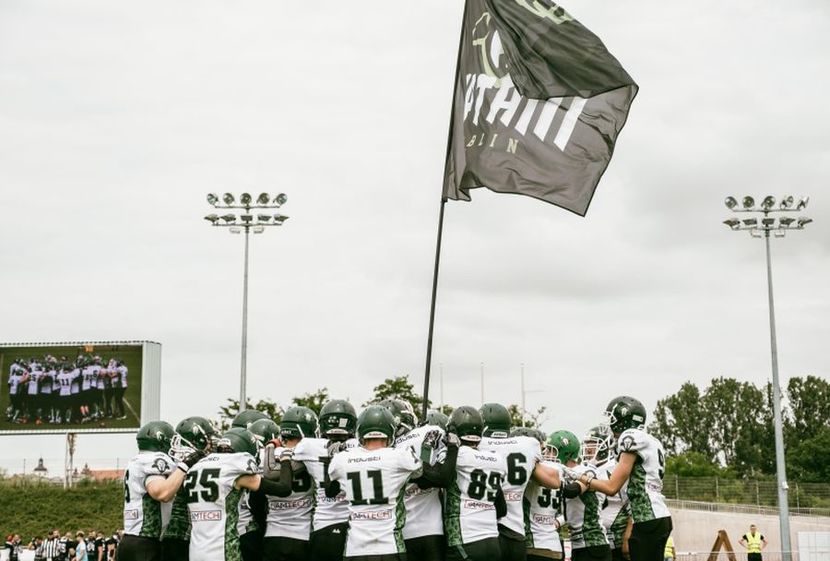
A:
<point x="741" y="556"/>
<point x="743" y="509"/>
<point x="760" y="492"/>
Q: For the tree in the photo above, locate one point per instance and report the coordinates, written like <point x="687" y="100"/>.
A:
<point x="809" y="407"/>
<point x="677" y="422"/>
<point x="231" y="409"/>
<point x="530" y="419"/>
<point x="809" y="460"/>
<point x="398" y="387"/>
<point x="313" y="401"/>
<point x="692" y="464"/>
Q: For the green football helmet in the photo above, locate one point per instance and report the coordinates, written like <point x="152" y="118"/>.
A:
<point x="299" y="422"/>
<point x="402" y="413"/>
<point x="562" y="446"/>
<point x="193" y="433"/>
<point x="497" y="421"/>
<point x="338" y="419"/>
<point x="376" y="421"/>
<point x="155" y="436"/>
<point x="244" y="419"/>
<point x="264" y="430"/>
<point x="527" y="431"/>
<point x="623" y="413"/>
<point x="596" y="445"/>
<point x="237" y="440"/>
<point x="466" y="422"/>
<point x="436" y="418"/>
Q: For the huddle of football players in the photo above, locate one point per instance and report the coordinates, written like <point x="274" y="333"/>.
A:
<point x="62" y="391"/>
<point x="379" y="487"/>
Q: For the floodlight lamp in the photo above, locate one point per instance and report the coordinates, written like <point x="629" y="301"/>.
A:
<point x="258" y="229"/>
<point x="755" y="234"/>
<point x="786" y="221"/>
<point x="779" y="233"/>
<point x="731" y="202"/>
<point x="750" y="222"/>
<point x="263" y="217"/>
<point x="803" y="221"/>
<point x="787" y="202"/>
<point x="768" y="222"/>
<point x="748" y="202"/>
<point x="212" y="199"/>
<point x="229" y="218"/>
<point x="263" y="199"/>
<point x="245" y="199"/>
<point x="212" y="218"/>
<point x="246" y="218"/>
<point x="280" y="218"/>
<point x="802" y="204"/>
<point x="228" y="198"/>
<point x="235" y="230"/>
<point x="768" y="202"/>
<point x="281" y="199"/>
<point x="732" y="223"/>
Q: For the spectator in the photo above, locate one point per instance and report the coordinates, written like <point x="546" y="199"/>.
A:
<point x="37" y="545"/>
<point x="669" y="554"/>
<point x="13" y="546"/>
<point x="80" y="550"/>
<point x="754" y="542"/>
<point x="52" y="546"/>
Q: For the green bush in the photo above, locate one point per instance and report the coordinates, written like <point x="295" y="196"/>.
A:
<point x="31" y="508"/>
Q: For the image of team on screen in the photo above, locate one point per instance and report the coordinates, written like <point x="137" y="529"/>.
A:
<point x="57" y="390"/>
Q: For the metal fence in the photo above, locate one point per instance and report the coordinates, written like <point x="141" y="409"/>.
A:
<point x="738" y="556"/>
<point x="744" y="509"/>
<point x="758" y="492"/>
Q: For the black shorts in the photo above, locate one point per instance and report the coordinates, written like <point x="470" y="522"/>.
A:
<point x="592" y="553"/>
<point x="174" y="549"/>
<point x="426" y="548"/>
<point x="134" y="548"/>
<point x="753" y="556"/>
<point x="512" y="549"/>
<point x="617" y="554"/>
<point x="648" y="539"/>
<point x="552" y="555"/>
<point x="329" y="543"/>
<point x="482" y="550"/>
<point x="284" y="549"/>
<point x="250" y="545"/>
<point x="387" y="557"/>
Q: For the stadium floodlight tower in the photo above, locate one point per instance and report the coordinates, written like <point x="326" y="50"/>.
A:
<point x="762" y="222"/>
<point x="244" y="220"/>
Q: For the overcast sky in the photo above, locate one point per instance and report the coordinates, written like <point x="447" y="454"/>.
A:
<point x="117" y="118"/>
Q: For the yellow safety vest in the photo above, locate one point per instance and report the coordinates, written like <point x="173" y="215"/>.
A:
<point x="669" y="547"/>
<point x="753" y="543"/>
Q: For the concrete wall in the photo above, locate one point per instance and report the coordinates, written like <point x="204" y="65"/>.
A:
<point x="695" y="531"/>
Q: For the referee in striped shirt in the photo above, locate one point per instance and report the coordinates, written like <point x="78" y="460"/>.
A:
<point x="51" y="547"/>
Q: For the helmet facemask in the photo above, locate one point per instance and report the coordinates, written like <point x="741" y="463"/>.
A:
<point x="180" y="447"/>
<point x="596" y="447"/>
<point x="550" y="453"/>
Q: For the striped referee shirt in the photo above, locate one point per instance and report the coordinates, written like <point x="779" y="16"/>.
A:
<point x="51" y="549"/>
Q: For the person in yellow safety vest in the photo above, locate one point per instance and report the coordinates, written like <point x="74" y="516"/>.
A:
<point x="754" y="542"/>
<point x="669" y="553"/>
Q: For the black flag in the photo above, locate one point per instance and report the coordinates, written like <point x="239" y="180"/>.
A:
<point x="538" y="104"/>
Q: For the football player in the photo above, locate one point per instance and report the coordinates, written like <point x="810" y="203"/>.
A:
<point x="288" y="526"/>
<point x="215" y="487"/>
<point x="436" y="418"/>
<point x="373" y="476"/>
<point x="596" y="450"/>
<point x="582" y="513"/>
<point x="330" y="521"/>
<point x="641" y="461"/>
<point x="192" y="434"/>
<point x="151" y="480"/>
<point x="474" y="498"/>
<point x="252" y="507"/>
<point x="423" y="532"/>
<point x="16" y="371"/>
<point x="244" y="419"/>
<point x="522" y="455"/>
<point x="543" y="514"/>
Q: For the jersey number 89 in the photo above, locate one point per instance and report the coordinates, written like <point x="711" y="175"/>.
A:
<point x="480" y="481"/>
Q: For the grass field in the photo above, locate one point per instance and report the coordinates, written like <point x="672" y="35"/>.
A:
<point x="130" y="355"/>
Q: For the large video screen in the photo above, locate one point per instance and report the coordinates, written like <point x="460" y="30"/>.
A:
<point x="75" y="387"/>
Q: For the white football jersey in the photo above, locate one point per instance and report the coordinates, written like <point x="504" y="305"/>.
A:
<point x="542" y="508"/>
<point x="14" y="381"/>
<point x="374" y="482"/>
<point x="290" y="516"/>
<point x="45" y="381"/>
<point x="86" y="378"/>
<point x="616" y="512"/>
<point x="645" y="484"/>
<point x="327" y="511"/>
<point x="65" y="382"/>
<point x="521" y="454"/>
<point x="470" y="513"/>
<point x="143" y="515"/>
<point x="213" y="503"/>
<point x="121" y="373"/>
<point x="424" y="514"/>
<point x="76" y="381"/>
<point x="583" y="514"/>
<point x="34" y="378"/>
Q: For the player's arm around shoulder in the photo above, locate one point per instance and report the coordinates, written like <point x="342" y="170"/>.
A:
<point x="164" y="477"/>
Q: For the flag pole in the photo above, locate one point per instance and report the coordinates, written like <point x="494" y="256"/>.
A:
<point x="425" y="405"/>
